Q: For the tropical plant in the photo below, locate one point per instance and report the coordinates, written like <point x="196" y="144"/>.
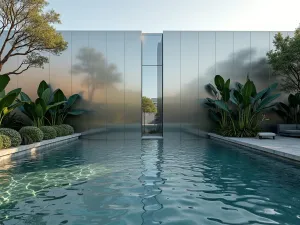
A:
<point x="5" y="141"/>
<point x="14" y="121"/>
<point x="14" y="136"/>
<point x="290" y="112"/>
<point x="49" y="132"/>
<point x="34" y="133"/>
<point x="239" y="111"/>
<point x="7" y="101"/>
<point x="37" y="110"/>
<point x="59" y="113"/>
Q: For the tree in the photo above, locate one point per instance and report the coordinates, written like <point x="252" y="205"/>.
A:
<point x="27" y="31"/>
<point x="285" y="61"/>
<point x="95" y="65"/>
<point x="148" y="105"/>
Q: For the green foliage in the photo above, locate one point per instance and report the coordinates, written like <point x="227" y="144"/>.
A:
<point x="26" y="140"/>
<point x="285" y="61"/>
<point x="69" y="129"/>
<point x="148" y="105"/>
<point x="30" y="32"/>
<point x="59" y="113"/>
<point x="14" y="121"/>
<point x="240" y="114"/>
<point x="5" y="142"/>
<point x="14" y="136"/>
<point x="37" y="110"/>
<point x="290" y="113"/>
<point x="49" y="132"/>
<point x="33" y="132"/>
<point x="61" y="131"/>
<point x="7" y="101"/>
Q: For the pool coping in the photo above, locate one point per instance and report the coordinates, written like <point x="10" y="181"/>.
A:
<point x="10" y="153"/>
<point x="273" y="152"/>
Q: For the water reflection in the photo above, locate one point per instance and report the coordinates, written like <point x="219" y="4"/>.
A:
<point x="152" y="160"/>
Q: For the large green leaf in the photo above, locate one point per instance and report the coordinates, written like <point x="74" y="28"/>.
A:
<point x="72" y="99"/>
<point x="238" y="96"/>
<point x="222" y="105"/>
<point x="46" y="95"/>
<point x="226" y="94"/>
<point x="4" y="80"/>
<point x="39" y="111"/>
<point x="227" y="84"/>
<point x="42" y="103"/>
<point x="266" y="101"/>
<point x="76" y="112"/>
<point x="259" y="95"/>
<point x="42" y="87"/>
<point x="25" y="97"/>
<point x="284" y="107"/>
<point x="58" y="96"/>
<point x="17" y="91"/>
<point x="219" y="82"/>
<point x="214" y="115"/>
<point x="2" y="93"/>
<point x="54" y="105"/>
<point x="7" y="100"/>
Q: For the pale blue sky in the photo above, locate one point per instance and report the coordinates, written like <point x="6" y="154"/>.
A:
<point x="159" y="15"/>
<point x="154" y="16"/>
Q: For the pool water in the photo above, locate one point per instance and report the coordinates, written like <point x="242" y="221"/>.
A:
<point x="149" y="182"/>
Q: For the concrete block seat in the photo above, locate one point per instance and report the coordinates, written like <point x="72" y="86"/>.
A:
<point x="289" y="130"/>
<point x="266" y="135"/>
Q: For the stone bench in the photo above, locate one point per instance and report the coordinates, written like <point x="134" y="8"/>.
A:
<point x="266" y="135"/>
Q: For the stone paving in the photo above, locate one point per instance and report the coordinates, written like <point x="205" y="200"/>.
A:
<point x="282" y="146"/>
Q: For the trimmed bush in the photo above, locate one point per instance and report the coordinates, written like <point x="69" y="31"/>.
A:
<point x="49" y="132"/>
<point x="5" y="141"/>
<point x="59" y="130"/>
<point x="33" y="132"/>
<point x="14" y="136"/>
<point x="26" y="140"/>
<point x="69" y="129"/>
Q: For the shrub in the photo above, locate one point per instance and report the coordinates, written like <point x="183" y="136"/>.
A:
<point x="49" y="132"/>
<point x="14" y="136"/>
<point x="4" y="141"/>
<point x="69" y="129"/>
<point x="26" y="140"/>
<point x="33" y="132"/>
<point x="59" y="130"/>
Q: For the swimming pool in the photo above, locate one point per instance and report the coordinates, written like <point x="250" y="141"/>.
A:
<point x="149" y="182"/>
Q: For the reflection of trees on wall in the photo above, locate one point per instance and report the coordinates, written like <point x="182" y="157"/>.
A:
<point x="95" y="65"/>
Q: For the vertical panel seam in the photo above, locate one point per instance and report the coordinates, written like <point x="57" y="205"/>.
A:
<point x="250" y="53"/>
<point x="106" y="79"/>
<point x="215" y="53"/>
<point x="124" y="88"/>
<point x="71" y="62"/>
<point x="198" y="98"/>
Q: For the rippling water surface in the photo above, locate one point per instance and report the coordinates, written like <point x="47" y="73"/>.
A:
<point x="149" y="182"/>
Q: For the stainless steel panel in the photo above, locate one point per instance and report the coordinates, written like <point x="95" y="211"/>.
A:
<point x="30" y="79"/>
<point x="60" y="67"/>
<point x="99" y="76"/>
<point x="80" y="75"/>
<point x="207" y="71"/>
<point x="132" y="85"/>
<point x="189" y="85"/>
<point x="260" y="70"/>
<point x="224" y="54"/>
<point x="242" y="57"/>
<point x="171" y="84"/>
<point x="115" y="89"/>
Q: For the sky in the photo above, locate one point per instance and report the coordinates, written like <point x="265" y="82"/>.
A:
<point x="154" y="16"/>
